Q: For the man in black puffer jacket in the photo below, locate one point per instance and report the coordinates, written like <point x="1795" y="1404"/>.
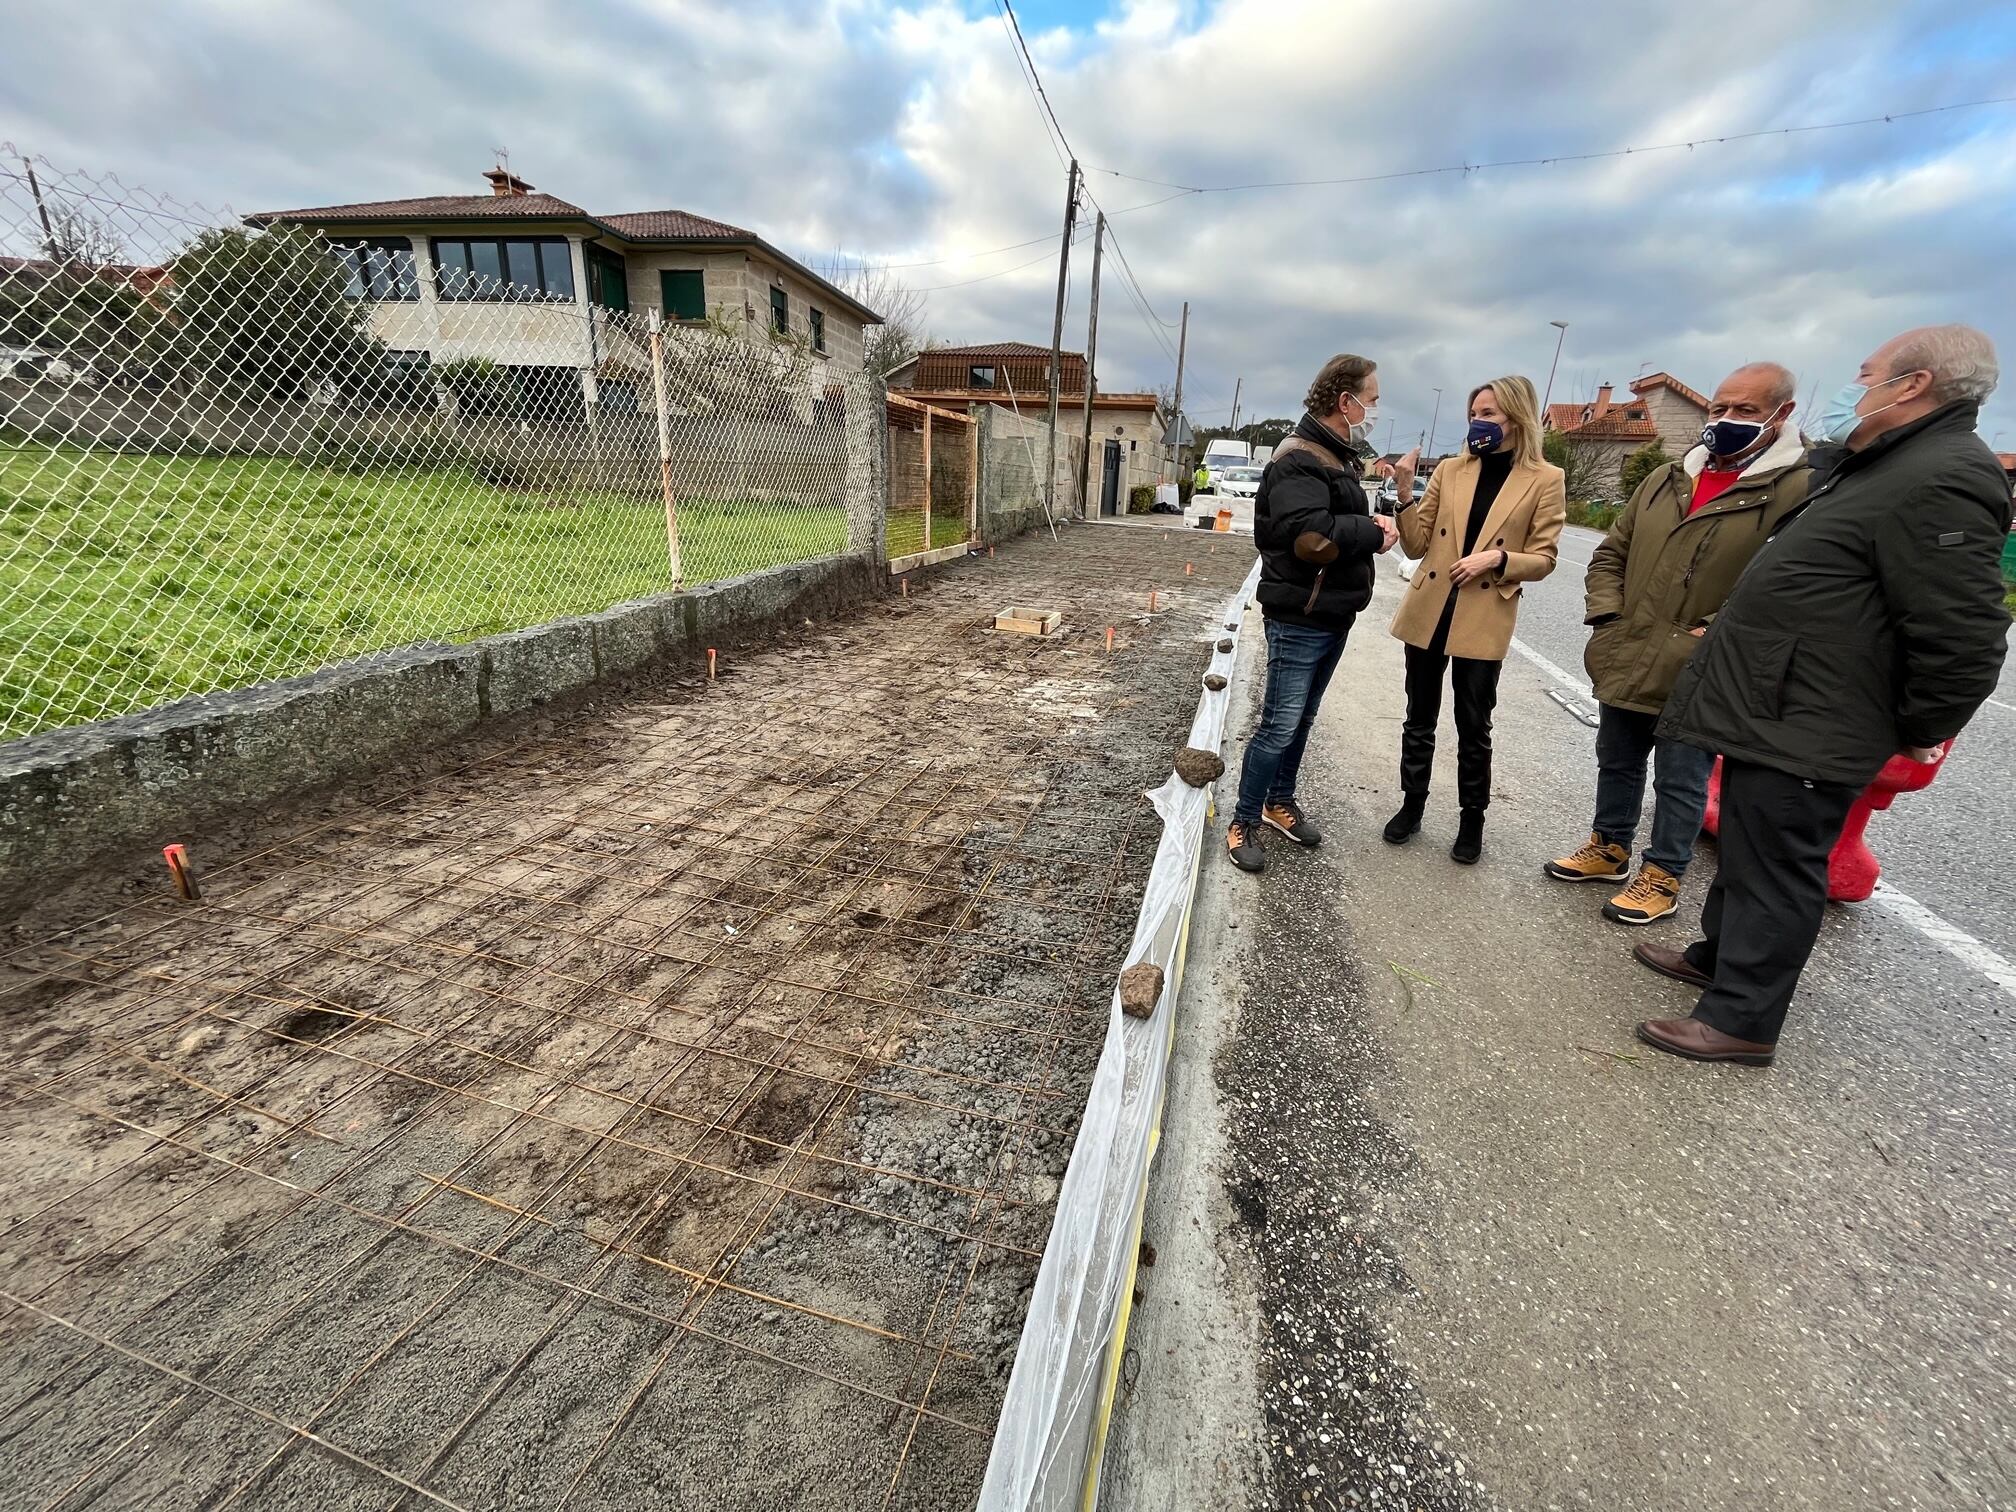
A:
<point x="1317" y="537"/>
<point x="1870" y="624"/>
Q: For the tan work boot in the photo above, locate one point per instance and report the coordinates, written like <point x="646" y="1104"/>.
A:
<point x="1598" y="861"/>
<point x="1653" y="894"/>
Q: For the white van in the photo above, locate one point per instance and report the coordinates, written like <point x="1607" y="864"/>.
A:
<point x="1225" y="452"/>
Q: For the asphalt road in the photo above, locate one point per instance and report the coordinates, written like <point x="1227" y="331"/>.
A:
<point x="1500" y="1255"/>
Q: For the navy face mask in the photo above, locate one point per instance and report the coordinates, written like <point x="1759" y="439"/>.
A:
<point x="1729" y="438"/>
<point x="1485" y="436"/>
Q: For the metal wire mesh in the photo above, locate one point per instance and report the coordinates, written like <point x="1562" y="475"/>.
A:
<point x="219" y="465"/>
<point x="933" y="467"/>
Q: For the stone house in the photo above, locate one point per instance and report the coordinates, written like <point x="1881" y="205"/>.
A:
<point x="1606" y="430"/>
<point x="1127" y="449"/>
<point x="511" y="274"/>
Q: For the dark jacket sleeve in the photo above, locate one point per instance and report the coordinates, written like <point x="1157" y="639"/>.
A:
<point x="1943" y="587"/>
<point x="1300" y="500"/>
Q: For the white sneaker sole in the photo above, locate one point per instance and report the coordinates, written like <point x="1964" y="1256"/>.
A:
<point x="1290" y="834"/>
<point x="1616" y="916"/>
<point x="1623" y="876"/>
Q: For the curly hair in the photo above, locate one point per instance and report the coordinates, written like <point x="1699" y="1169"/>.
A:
<point x="1341" y="375"/>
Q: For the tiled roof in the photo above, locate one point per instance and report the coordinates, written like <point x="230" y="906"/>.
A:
<point x="436" y="207"/>
<point x="673" y="225"/>
<point x="1616" y="426"/>
<point x="994" y="349"/>
<point x="1667" y="380"/>
<point x="139" y="276"/>
<point x="1564" y="417"/>
<point x="2008" y="461"/>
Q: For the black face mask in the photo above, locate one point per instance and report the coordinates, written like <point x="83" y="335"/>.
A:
<point x="1729" y="438"/>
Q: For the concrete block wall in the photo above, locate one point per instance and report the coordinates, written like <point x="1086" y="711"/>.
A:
<point x="75" y="798"/>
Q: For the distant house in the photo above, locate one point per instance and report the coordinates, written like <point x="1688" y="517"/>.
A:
<point x="437" y="271"/>
<point x="1127" y="449"/>
<point x="1661" y="408"/>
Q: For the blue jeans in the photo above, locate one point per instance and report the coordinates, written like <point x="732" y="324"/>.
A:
<point x="1625" y="739"/>
<point x="1299" y="663"/>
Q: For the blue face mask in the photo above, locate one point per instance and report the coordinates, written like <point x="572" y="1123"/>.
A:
<point x="1485" y="436"/>
<point x="1838" y="421"/>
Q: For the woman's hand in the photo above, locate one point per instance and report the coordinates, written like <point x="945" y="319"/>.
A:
<point x="1474" y="566"/>
<point x="1403" y="474"/>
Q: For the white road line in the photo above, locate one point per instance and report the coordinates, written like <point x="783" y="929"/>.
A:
<point x="2009" y="708"/>
<point x="1955" y="941"/>
<point x="1901" y="906"/>
<point x="1579" y="686"/>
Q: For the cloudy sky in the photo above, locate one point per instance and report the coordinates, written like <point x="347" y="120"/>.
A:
<point x="906" y="133"/>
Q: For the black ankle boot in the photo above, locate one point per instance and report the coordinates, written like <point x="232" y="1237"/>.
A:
<point x="1469" y="838"/>
<point x="1404" y="825"/>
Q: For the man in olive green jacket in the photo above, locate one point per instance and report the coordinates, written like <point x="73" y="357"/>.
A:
<point x="1654" y="585"/>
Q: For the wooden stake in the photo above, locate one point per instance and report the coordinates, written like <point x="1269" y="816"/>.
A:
<point x="906" y="587"/>
<point x="1151" y="600"/>
<point x="178" y="868"/>
<point x="1189" y="569"/>
<point x="1109" y="640"/>
<point x="710" y="664"/>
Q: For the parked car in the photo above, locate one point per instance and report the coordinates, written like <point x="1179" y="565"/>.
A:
<point x="1239" y="482"/>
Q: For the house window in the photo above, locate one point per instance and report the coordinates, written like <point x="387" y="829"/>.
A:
<point x="980" y="377"/>
<point x="818" y="320"/>
<point x="608" y="281"/>
<point x="684" y="291"/>
<point x="504" y="268"/>
<point x="377" y="269"/>
<point x="780" y="312"/>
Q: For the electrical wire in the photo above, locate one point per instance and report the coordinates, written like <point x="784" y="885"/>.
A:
<point x="1035" y="79"/>
<point x="1886" y="119"/>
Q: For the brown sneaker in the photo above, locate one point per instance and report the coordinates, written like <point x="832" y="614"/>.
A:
<point x="1703" y="1042"/>
<point x="1598" y="861"/>
<point x="1292" y="822"/>
<point x="1653" y="894"/>
<point x="1243" y="841"/>
<point x="1671" y="963"/>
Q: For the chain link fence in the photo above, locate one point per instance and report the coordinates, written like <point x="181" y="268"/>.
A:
<point x="227" y="457"/>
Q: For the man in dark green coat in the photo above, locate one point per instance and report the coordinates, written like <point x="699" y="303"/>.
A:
<point x="1871" y="624"/>
<point x="1654" y="586"/>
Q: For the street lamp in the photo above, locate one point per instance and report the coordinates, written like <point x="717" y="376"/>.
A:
<point x="1429" y="455"/>
<point x="1562" y="327"/>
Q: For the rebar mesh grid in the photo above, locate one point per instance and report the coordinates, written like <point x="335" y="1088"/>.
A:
<point x="667" y="1111"/>
<point x="229" y="455"/>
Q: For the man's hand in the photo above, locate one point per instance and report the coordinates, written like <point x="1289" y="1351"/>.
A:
<point x="1924" y="755"/>
<point x="1389" y="531"/>
<point x="1473" y="567"/>
<point x="1698" y="631"/>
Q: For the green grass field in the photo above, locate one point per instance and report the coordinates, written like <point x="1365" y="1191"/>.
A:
<point x="905" y="533"/>
<point x="127" y="581"/>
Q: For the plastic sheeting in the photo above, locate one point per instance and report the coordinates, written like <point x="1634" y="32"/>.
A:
<point x="1053" y="1422"/>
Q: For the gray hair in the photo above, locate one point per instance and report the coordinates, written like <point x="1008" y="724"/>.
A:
<point x="1784" y="387"/>
<point x="1960" y="359"/>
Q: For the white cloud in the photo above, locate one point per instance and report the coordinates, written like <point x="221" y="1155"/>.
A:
<point x="908" y="132"/>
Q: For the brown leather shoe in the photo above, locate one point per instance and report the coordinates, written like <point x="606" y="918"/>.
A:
<point x="1674" y="964"/>
<point x="1703" y="1042"/>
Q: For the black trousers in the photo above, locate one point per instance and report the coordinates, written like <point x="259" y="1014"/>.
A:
<point x="1764" y="911"/>
<point x="1476" y="685"/>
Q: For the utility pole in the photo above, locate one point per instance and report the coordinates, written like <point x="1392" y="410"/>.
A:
<point x="1429" y="455"/>
<point x="1057" y="336"/>
<point x="1562" y="326"/>
<point x="49" y="247"/>
<point x="1182" y="348"/>
<point x="1092" y="379"/>
<point x="1236" y="387"/>
<point x="1389" y="436"/>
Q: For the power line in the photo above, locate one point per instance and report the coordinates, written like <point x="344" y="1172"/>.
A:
<point x="1886" y="119"/>
<point x="1035" y="79"/>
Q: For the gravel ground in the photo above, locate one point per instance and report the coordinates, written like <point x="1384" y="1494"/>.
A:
<point x="663" y="1110"/>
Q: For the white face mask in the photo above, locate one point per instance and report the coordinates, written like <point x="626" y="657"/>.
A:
<point x="1362" y="431"/>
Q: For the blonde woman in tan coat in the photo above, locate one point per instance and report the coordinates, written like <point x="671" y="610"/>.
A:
<point x="1488" y="524"/>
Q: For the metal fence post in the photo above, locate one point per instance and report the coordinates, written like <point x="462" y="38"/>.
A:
<point x="926" y="546"/>
<point x="665" y="449"/>
<point x="973" y="479"/>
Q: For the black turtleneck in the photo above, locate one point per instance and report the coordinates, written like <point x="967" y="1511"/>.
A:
<point x="1497" y="468"/>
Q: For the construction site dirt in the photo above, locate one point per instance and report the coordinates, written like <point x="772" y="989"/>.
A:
<point x="663" y="1110"/>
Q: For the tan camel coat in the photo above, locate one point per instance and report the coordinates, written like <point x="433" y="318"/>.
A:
<point x="1525" y="523"/>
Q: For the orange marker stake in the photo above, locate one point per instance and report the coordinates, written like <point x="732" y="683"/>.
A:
<point x="990" y="551"/>
<point x="178" y="868"/>
<point x="710" y="664"/>
<point x="1151" y="600"/>
<point x="906" y="587"/>
<point x="1109" y="640"/>
<point x="1189" y="569"/>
